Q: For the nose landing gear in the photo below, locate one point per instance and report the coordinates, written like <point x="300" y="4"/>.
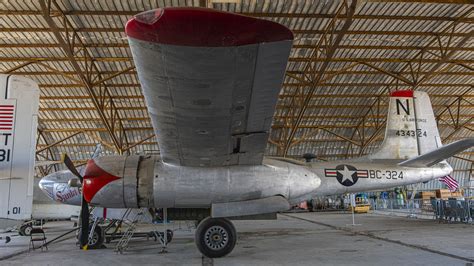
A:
<point x="215" y="237"/>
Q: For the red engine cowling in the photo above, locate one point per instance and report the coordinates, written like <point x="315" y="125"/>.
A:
<point x="119" y="181"/>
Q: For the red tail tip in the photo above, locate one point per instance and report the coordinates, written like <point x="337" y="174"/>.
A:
<point x="402" y="93"/>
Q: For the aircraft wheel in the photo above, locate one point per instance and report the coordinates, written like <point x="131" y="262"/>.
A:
<point x="215" y="237"/>
<point x="25" y="230"/>
<point x="97" y="238"/>
<point x="169" y="236"/>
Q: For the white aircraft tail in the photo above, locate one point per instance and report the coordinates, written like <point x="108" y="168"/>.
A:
<point x="19" y="102"/>
<point x="411" y="127"/>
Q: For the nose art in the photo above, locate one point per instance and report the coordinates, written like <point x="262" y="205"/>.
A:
<point x="45" y="184"/>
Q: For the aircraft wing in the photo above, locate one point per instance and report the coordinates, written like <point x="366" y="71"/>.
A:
<point x="436" y="156"/>
<point x="211" y="81"/>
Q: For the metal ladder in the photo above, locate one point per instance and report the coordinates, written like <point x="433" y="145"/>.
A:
<point x="122" y="245"/>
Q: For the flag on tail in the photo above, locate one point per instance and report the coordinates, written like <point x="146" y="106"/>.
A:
<point x="450" y="182"/>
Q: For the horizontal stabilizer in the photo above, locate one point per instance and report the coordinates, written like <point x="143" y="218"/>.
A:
<point x="436" y="156"/>
<point x="250" y="207"/>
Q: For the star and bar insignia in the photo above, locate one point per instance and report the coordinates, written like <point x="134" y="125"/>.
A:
<point x="347" y="175"/>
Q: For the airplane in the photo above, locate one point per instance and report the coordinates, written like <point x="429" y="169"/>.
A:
<point x="211" y="80"/>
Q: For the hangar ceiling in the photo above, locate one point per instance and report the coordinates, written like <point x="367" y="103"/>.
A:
<point x="347" y="57"/>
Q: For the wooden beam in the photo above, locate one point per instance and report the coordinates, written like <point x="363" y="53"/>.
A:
<point x="57" y="142"/>
<point x="111" y="117"/>
<point x="296" y="46"/>
<point x="130" y="13"/>
<point x="139" y="142"/>
<point x="331" y="38"/>
<point x="291" y="59"/>
<point x="295" y="31"/>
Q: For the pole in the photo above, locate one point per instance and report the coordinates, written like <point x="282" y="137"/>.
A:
<point x="353" y="205"/>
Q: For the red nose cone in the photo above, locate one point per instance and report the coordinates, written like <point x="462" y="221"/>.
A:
<point x="95" y="178"/>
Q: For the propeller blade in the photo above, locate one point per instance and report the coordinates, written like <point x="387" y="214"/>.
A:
<point x="84" y="237"/>
<point x="70" y="165"/>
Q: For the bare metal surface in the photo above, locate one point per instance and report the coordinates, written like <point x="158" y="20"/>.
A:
<point x="211" y="106"/>
<point x="242" y="208"/>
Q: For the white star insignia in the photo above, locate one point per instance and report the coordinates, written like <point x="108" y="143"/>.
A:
<point x="346" y="174"/>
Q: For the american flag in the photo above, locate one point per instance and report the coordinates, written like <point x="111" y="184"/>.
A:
<point x="450" y="182"/>
<point x="6" y="116"/>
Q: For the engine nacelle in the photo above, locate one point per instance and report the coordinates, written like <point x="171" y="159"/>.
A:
<point x="120" y="181"/>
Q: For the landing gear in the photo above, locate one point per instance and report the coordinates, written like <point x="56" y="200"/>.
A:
<point x="215" y="237"/>
<point x="25" y="230"/>
<point x="97" y="238"/>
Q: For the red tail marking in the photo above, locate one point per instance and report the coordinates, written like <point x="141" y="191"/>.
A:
<point x="402" y="93"/>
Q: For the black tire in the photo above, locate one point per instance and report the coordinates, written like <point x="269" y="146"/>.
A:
<point x="215" y="237"/>
<point x="97" y="239"/>
<point x="25" y="230"/>
<point x="169" y="236"/>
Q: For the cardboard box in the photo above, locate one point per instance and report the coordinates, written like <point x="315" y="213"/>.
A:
<point x="457" y="194"/>
<point x="426" y="195"/>
<point x="443" y="193"/>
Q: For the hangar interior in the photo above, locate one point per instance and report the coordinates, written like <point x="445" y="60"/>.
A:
<point x="347" y="57"/>
<point x="333" y="103"/>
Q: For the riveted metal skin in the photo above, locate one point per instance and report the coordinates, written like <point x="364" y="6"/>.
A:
<point x="145" y="181"/>
<point x="130" y="176"/>
<point x="383" y="175"/>
<point x="133" y="186"/>
<point x="199" y="187"/>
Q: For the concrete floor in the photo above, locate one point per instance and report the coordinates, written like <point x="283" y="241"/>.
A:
<point x="293" y="239"/>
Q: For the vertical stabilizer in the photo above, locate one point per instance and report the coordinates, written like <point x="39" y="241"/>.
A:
<point x="19" y="100"/>
<point x="411" y="127"/>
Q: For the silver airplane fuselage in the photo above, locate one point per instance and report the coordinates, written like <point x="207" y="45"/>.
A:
<point x="145" y="181"/>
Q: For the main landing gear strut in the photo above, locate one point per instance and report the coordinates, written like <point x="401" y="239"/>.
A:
<point x="215" y="237"/>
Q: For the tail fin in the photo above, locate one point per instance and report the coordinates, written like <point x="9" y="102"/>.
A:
<point x="19" y="99"/>
<point x="411" y="127"/>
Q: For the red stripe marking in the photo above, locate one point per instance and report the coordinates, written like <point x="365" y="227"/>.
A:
<point x="5" y="128"/>
<point x="9" y="121"/>
<point x="402" y="93"/>
<point x="203" y="27"/>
